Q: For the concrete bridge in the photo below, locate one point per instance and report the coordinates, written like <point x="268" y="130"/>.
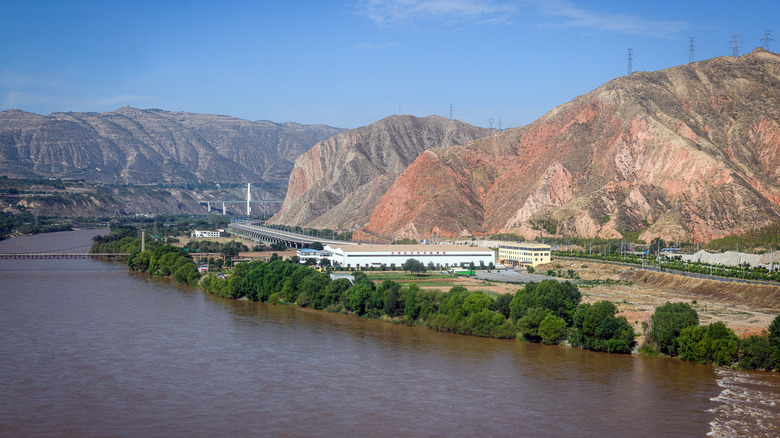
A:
<point x="254" y="231"/>
<point x="53" y="256"/>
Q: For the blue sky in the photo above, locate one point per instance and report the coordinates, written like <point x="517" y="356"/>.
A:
<point x="350" y="63"/>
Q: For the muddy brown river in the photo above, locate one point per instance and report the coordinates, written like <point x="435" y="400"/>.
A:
<point x="90" y="349"/>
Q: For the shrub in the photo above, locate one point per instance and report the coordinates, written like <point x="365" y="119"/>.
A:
<point x="756" y="352"/>
<point x="552" y="329"/>
<point x="714" y="343"/>
<point x="668" y="322"/>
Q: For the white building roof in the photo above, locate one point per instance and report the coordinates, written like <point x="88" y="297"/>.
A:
<point x="409" y="249"/>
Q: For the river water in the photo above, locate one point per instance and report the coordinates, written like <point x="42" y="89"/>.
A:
<point x="90" y="349"/>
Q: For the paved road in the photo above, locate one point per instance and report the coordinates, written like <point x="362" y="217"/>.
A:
<point x="511" y="276"/>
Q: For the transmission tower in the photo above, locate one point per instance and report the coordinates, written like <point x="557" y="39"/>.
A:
<point x="630" y="59"/>
<point x="499" y="124"/>
<point x="490" y="121"/>
<point x="767" y="39"/>
<point x="450" y="111"/>
<point x="735" y="45"/>
<point x="690" y="52"/>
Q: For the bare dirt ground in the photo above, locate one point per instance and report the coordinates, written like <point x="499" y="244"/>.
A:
<point x="746" y="309"/>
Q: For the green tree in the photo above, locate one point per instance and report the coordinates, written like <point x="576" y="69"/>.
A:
<point x="755" y="352"/>
<point x="414" y="266"/>
<point x="393" y="305"/>
<point x="477" y="302"/>
<point x="278" y="246"/>
<point x="552" y="329"/>
<point x="714" y="343"/>
<point x="774" y="332"/>
<point x="316" y="245"/>
<point x="668" y="321"/>
<point x="529" y="324"/>
<point x="358" y="297"/>
<point x="560" y="298"/>
<point x="502" y="303"/>
<point x="596" y="328"/>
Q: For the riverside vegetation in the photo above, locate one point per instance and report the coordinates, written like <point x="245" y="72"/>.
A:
<point x="549" y="312"/>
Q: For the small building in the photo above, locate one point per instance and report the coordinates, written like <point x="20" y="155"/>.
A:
<point x="523" y="254"/>
<point x="208" y="233"/>
<point x="335" y="276"/>
<point x="203" y="268"/>
<point x="306" y="255"/>
<point x="441" y="256"/>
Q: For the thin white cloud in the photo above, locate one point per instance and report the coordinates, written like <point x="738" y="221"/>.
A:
<point x="367" y="46"/>
<point x="394" y="12"/>
<point x="548" y="13"/>
<point x="564" y="14"/>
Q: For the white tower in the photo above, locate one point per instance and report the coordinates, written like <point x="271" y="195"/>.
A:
<point x="248" y="199"/>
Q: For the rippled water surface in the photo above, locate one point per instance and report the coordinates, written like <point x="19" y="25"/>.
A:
<point x="89" y="349"/>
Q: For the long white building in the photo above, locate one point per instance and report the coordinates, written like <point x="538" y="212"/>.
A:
<point x="442" y="256"/>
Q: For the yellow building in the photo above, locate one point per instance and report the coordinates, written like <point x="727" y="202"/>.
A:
<point x="523" y="254"/>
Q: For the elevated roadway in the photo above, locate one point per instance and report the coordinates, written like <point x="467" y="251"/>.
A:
<point x="254" y="231"/>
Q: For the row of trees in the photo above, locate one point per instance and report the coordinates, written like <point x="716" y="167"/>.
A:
<point x="676" y="332"/>
<point x="279" y="281"/>
<point x="28" y="223"/>
<point x="744" y="272"/>
<point x="548" y="312"/>
<point x="158" y="260"/>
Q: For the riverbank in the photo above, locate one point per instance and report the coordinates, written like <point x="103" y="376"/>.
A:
<point x="746" y="309"/>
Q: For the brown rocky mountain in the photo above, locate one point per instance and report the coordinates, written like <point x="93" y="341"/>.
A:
<point x="340" y="180"/>
<point x="691" y="153"/>
<point x="133" y="146"/>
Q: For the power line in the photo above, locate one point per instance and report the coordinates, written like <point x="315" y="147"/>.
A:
<point x="735" y="45"/>
<point x="690" y="51"/>
<point x="767" y="39"/>
<point x="630" y="59"/>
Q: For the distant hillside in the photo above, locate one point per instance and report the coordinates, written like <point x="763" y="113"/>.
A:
<point x="133" y="146"/>
<point x="340" y="180"/>
<point x="688" y="153"/>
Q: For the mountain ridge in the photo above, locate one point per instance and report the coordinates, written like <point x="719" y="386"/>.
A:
<point x="337" y="183"/>
<point x="687" y="153"/>
<point x="135" y="146"/>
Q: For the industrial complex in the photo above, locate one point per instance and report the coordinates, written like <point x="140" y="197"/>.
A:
<point x="377" y="256"/>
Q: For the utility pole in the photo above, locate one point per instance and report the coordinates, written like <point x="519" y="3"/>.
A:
<point x="690" y="51"/>
<point x="735" y="45"/>
<point x="630" y="59"/>
<point x="767" y="39"/>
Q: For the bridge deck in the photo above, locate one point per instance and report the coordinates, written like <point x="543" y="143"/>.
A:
<point x="52" y="256"/>
<point x="258" y="232"/>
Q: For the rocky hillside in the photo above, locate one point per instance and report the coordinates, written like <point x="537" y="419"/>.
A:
<point x="80" y="199"/>
<point x="340" y="180"/>
<point x="690" y="153"/>
<point x="132" y="146"/>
